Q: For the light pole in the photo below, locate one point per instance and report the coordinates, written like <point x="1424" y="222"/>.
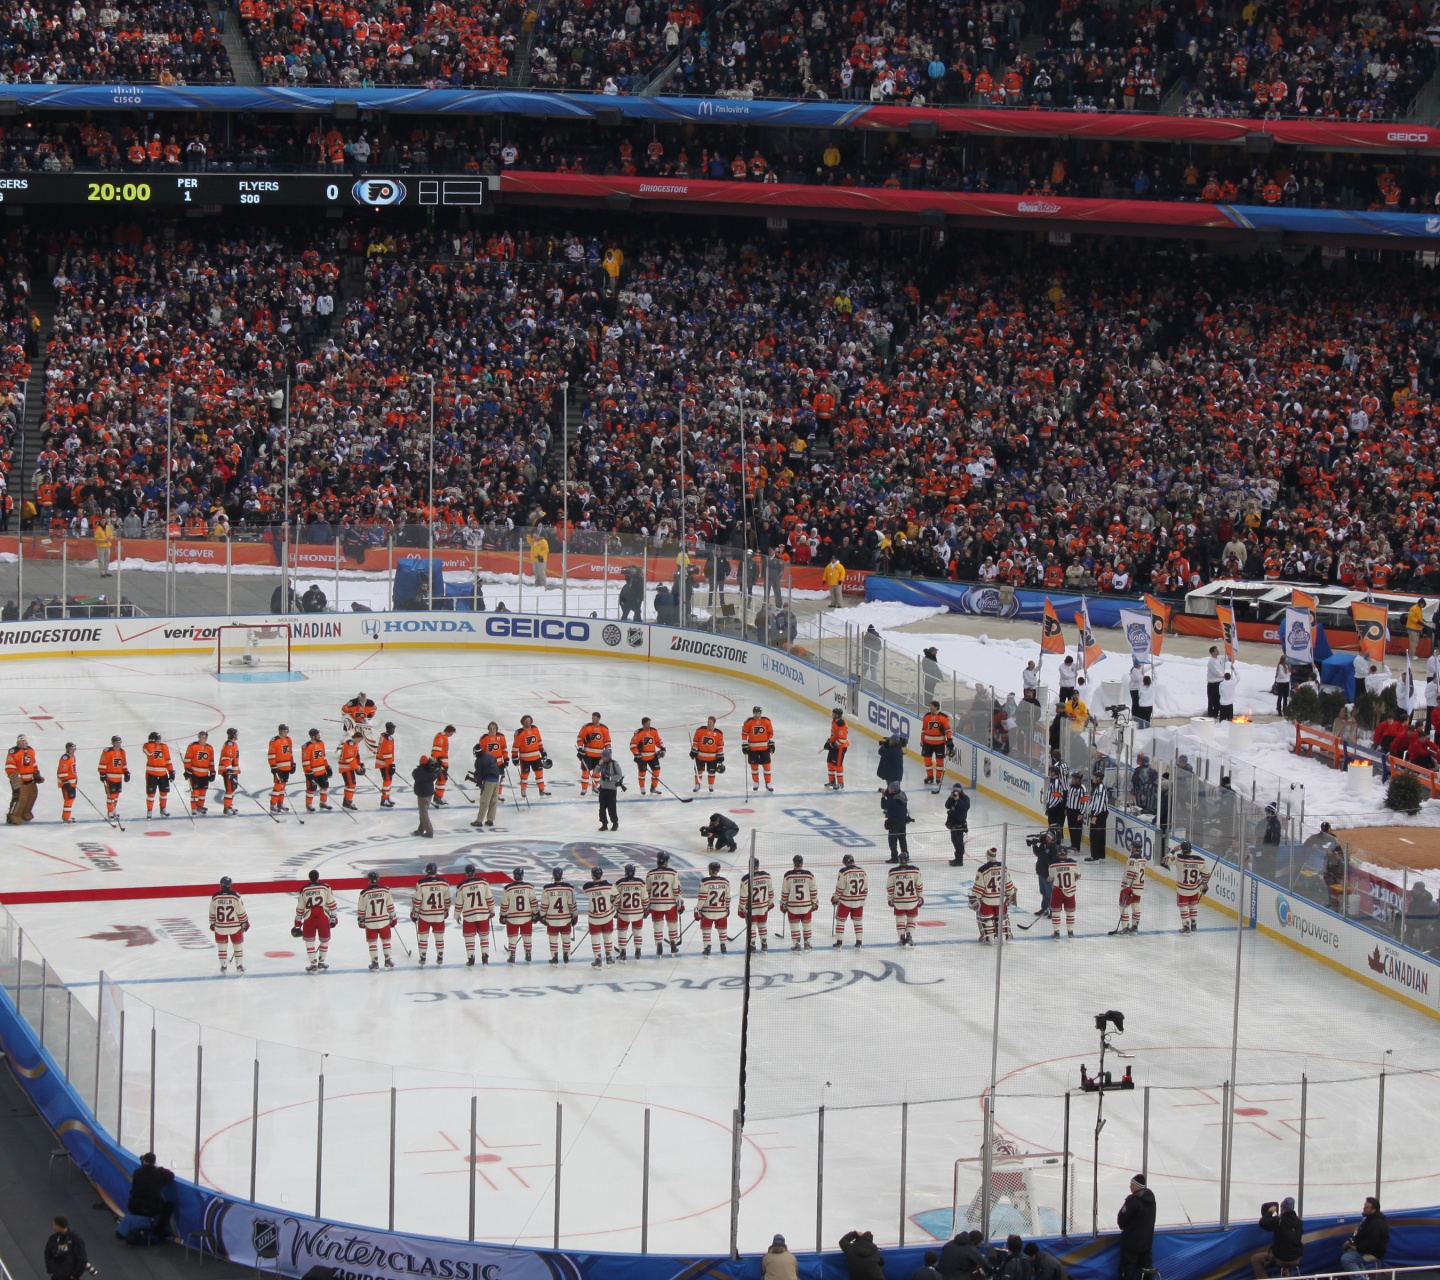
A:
<point x="565" y="497"/>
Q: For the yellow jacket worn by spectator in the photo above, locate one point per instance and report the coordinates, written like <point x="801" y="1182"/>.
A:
<point x="539" y="555"/>
<point x="834" y="578"/>
<point x="104" y="540"/>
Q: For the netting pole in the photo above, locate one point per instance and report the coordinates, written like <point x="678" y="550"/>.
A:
<point x="254" y="1125"/>
<point x="605" y="596"/>
<point x="1227" y="1129"/>
<point x="644" y="576"/>
<point x="19" y="972"/>
<point x="1066" y="1208"/>
<point x="1300" y="1174"/>
<point x="474" y="1122"/>
<point x="390" y="549"/>
<point x="199" y="1108"/>
<point x="319" y="1136"/>
<point x="1145" y="1137"/>
<point x="69" y="1015"/>
<point x="99" y="1035"/>
<point x="229" y="562"/>
<point x="819" y="1178"/>
<point x="1380" y="1133"/>
<point x="120" y="1077"/>
<point x="904" y="1154"/>
<point x="987" y="1161"/>
<point x="559" y="1138"/>
<point x="735" y="1174"/>
<point x="645" y="1188"/>
<point x="120" y="569"/>
<point x="392" y="1158"/>
<point x="336" y="597"/>
<point x="1226" y="1106"/>
<point x="44" y="991"/>
<point x="65" y="585"/>
<point x="1404" y="899"/>
<point x="151" y="1146"/>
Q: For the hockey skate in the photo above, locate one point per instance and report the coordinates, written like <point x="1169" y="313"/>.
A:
<point x="722" y="949"/>
<point x="706" y="952"/>
<point x="324" y="964"/>
<point x="312" y="967"/>
<point x="838" y="943"/>
<point x="348" y="804"/>
<point x="674" y="946"/>
<point x="510" y="959"/>
<point x="422" y="959"/>
<point x="223" y="966"/>
<point x="239" y="968"/>
<point x="326" y="808"/>
<point x="659" y="950"/>
<point x="554" y="959"/>
<point x="807" y="944"/>
<point x="389" y="963"/>
<point x="386" y="802"/>
<point x="621" y="956"/>
<point x="439" y="958"/>
<point x="795" y="946"/>
<point x="374" y="966"/>
<point x="595" y="963"/>
<point x="484" y="957"/>
<point x="440" y="804"/>
<point x="859" y="942"/>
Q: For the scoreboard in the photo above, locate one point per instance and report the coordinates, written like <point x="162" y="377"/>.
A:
<point x="141" y="190"/>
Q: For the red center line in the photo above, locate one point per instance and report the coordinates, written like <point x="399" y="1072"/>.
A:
<point x="136" y="893"/>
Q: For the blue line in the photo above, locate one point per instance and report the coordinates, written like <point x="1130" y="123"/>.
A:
<point x="847" y="949"/>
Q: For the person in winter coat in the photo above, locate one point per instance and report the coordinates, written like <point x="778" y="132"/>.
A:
<point x="632" y="595"/>
<point x="895" y="805"/>
<point x="865" y="1260"/>
<point x="1012" y="1264"/>
<point x="1136" y="1221"/>
<point x="1288" y="1247"/>
<point x="961" y="1257"/>
<point x="892" y="760"/>
<point x="957" y="817"/>
<point x="778" y="1263"/>
<point x="612" y="779"/>
<point x="1045" y="1266"/>
<point x="720" y="833"/>
<point x="1370" y="1242"/>
<point x="929" y="1270"/>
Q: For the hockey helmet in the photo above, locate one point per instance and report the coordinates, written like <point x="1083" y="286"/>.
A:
<point x="154" y="736"/>
<point x="314" y="733"/>
<point x="629" y="868"/>
<point x="519" y="874"/>
<point x="284" y="728"/>
<point x="848" y="860"/>
<point x="662" y="859"/>
<point x="226" y="884"/>
<point x="797" y="861"/>
<point x="470" y="869"/>
<point x="714" y="868"/>
<point x="431" y="869"/>
<point x="755" y="711"/>
<point x="903" y="857"/>
<point x="232" y="733"/>
<point x="557" y="875"/>
<point x="373" y="878"/>
<point x="389" y="726"/>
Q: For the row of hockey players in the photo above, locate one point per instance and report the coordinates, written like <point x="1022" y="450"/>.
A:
<point x="203" y="767"/>
<point x="616" y="912"/>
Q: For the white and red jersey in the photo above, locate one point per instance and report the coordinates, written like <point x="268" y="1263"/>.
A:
<point x="798" y="892"/>
<point x="992" y="886"/>
<point x="316" y="898"/>
<point x="377" y="908"/>
<point x="757" y="894"/>
<point x="631" y="898"/>
<point x="852" y="887"/>
<point x="518" y="902"/>
<point x="601" y="902"/>
<point x="1190" y="875"/>
<point x="713" y="900"/>
<point x="904" y="888"/>
<point x="1134" y="878"/>
<point x="227" y="914"/>
<point x="474" y="901"/>
<point x="662" y="886"/>
<point x="432" y="900"/>
<point x="1065" y="876"/>
<point x="557" y="905"/>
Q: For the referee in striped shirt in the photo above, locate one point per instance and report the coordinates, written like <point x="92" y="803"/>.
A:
<point x="1097" y="810"/>
<point x="1076" y="800"/>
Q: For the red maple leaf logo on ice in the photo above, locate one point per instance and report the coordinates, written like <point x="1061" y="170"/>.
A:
<point x="132" y="935"/>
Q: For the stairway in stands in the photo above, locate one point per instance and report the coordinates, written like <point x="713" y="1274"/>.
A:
<point x="43" y="301"/>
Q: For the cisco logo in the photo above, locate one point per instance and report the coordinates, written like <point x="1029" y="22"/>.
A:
<point x="1398" y="136"/>
<point x="1291" y="921"/>
<point x="887" y="718"/>
<point x="378" y="192"/>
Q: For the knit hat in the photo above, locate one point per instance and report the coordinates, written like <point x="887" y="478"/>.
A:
<point x="1287" y="1205"/>
<point x="779" y="1239"/>
<point x="1138" y="1180"/>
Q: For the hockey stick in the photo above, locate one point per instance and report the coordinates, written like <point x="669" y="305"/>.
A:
<point x="673" y="792"/>
<point x="111" y="820"/>
<point x="265" y="809"/>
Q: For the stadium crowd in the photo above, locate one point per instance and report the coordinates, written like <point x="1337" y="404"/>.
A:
<point x="1075" y="419"/>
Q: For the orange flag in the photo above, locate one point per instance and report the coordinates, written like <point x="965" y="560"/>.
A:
<point x="1372" y="624"/>
<point x="1159" y="623"/>
<point x="1301" y="599"/>
<point x="1052" y="639"/>
<point x="1226" y="615"/>
<point x="1090" y="650"/>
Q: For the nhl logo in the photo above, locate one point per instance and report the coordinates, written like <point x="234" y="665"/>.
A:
<point x="635" y="637"/>
<point x="611" y="635"/>
<point x="985" y="766"/>
<point x="265" y="1238"/>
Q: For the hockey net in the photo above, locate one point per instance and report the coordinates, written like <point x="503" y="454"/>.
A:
<point x="1031" y="1194"/>
<point x="262" y="648"/>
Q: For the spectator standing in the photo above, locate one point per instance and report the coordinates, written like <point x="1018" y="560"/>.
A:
<point x="1146" y="701"/>
<point x="1370" y="1242"/>
<point x="1225" y="710"/>
<point x="1069" y="674"/>
<point x="957" y="822"/>
<point x="1136" y="1221"/>
<point x="1030" y="683"/>
<point x="1288" y="1247"/>
<point x="611" y="780"/>
<point x="834" y="580"/>
<point x="423" y="778"/>
<point x="1214" y="670"/>
<point x="539" y="555"/>
<point x="895" y="805"/>
<point x="1280" y="687"/>
<point x="104" y="535"/>
<point x="870" y="648"/>
<point x="1415" y="625"/>
<point x="632" y="595"/>
<point x="891" y="767"/>
<point x="487" y="778"/>
<point x="1012" y="1264"/>
<point x="65" y="1255"/>
<point x="1132" y="684"/>
<point x="930" y="674"/>
<point x="865" y="1261"/>
<point x="779" y="1263"/>
<point x="147" y="1193"/>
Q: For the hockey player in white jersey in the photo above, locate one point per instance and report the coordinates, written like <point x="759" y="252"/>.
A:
<point x="600" y="905"/>
<point x="799" y="896"/>
<point x="1132" y="892"/>
<point x="1192" y="882"/>
<point x="992" y="895"/>
<point x="1064" y="877"/>
<point x="662" y="888"/>
<point x="519" y="908"/>
<point x="376" y="915"/>
<point x="905" y="895"/>
<point x="712" y="906"/>
<point x="852" y="887"/>
<point x="557" y="909"/>
<point x="429" y="910"/>
<point x="474" y="908"/>
<point x="753" y="903"/>
<point x="228" y="923"/>
<point x="315" y="916"/>
<point x="631" y="901"/>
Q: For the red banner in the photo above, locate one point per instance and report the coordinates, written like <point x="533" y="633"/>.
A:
<point x="1332" y="134"/>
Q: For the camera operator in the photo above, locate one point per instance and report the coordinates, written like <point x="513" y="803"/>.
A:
<point x="1046" y="847"/>
<point x="1288" y="1247"/>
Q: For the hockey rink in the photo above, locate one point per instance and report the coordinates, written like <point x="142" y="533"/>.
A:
<point x="857" y="1032"/>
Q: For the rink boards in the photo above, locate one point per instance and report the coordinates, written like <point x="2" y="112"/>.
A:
<point x="1341" y="944"/>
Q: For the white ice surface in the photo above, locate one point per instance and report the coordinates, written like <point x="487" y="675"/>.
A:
<point x="858" y="1032"/>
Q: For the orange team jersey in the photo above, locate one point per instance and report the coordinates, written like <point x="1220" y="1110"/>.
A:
<point x="708" y="743"/>
<point x="65" y="771"/>
<point x="200" y="760"/>
<point x="593" y="739"/>
<point x="839" y="734"/>
<point x="493" y="744"/>
<point x="21" y="763"/>
<point x="349" y="757"/>
<point x="282" y="753"/>
<point x="440" y="748"/>
<point x="385" y="752"/>
<point x="157" y="760"/>
<point x="758" y="734"/>
<point x="113" y="764"/>
<point x="935" y="728"/>
<point x="528" y="746"/>
<point x="359" y="712"/>
<point x="645" y="744"/>
<point x="230" y="758"/>
<point x="312" y="758"/>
